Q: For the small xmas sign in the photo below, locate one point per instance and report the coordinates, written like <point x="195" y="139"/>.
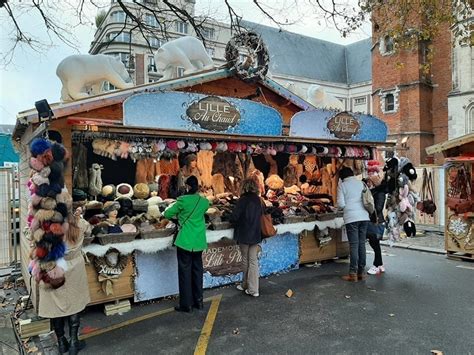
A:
<point x="222" y="258"/>
<point x="213" y="113"/>
<point x="343" y="125"/>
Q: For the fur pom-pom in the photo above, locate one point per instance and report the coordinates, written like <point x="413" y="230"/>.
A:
<point x="48" y="203"/>
<point x="57" y="217"/>
<point x="36" y="165"/>
<point x="44" y="215"/>
<point x="38" y="235"/>
<point x="57" y="173"/>
<point x="62" y="208"/>
<point x="57" y="252"/>
<point x="56" y="229"/>
<point x="39" y="180"/>
<point x="39" y="146"/>
<point x="58" y="151"/>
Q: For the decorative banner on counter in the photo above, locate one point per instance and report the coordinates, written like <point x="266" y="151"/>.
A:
<point x="325" y="124"/>
<point x="197" y="112"/>
<point x="222" y="258"/>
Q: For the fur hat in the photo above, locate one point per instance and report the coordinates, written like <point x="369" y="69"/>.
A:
<point x="153" y="189"/>
<point x="140" y="205"/>
<point x="409" y="228"/>
<point x="192" y="147"/>
<point x="57" y="172"/>
<point x="221" y="147"/>
<point x="172" y="145"/>
<point x="38" y="234"/>
<point x="38" y="179"/>
<point x="39" y="146"/>
<point x="274" y="182"/>
<point x="155" y="200"/>
<point x="94" y="205"/>
<point x="141" y="191"/>
<point x="180" y="144"/>
<point x="110" y="206"/>
<point x="108" y="191"/>
<point x="205" y="146"/>
<point x="292" y="190"/>
<point x="62" y="208"/>
<point x="56" y="229"/>
<point x="35" y="199"/>
<point x="128" y="228"/>
<point x="153" y="212"/>
<point x="48" y="203"/>
<point x="124" y="190"/>
<point x="78" y="195"/>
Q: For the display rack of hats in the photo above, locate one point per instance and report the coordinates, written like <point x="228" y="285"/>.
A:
<point x="304" y="194"/>
<point x="49" y="206"/>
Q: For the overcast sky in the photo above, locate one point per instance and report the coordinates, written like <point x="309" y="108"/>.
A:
<point x="32" y="76"/>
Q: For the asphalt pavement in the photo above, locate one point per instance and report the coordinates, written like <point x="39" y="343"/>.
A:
<point x="423" y="302"/>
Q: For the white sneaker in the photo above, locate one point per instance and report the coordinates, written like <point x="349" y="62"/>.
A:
<point x="240" y="287"/>
<point x="381" y="268"/>
<point x="256" y="294"/>
<point x="374" y="270"/>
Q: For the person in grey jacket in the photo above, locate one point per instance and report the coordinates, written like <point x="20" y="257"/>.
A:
<point x="356" y="219"/>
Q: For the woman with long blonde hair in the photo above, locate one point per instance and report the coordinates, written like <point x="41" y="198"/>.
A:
<point x="65" y="302"/>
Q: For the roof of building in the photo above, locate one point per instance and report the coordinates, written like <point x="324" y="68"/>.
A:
<point x="317" y="59"/>
<point x="7" y="153"/>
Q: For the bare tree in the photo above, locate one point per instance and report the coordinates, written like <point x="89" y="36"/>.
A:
<point x="407" y="22"/>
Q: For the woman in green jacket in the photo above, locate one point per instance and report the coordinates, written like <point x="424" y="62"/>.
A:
<point x="190" y="243"/>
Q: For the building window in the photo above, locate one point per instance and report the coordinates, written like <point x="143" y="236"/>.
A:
<point x="181" y="27"/>
<point x="123" y="57"/>
<point x="389" y="103"/>
<point x="118" y="16"/>
<point x="360" y="101"/>
<point x="470" y="120"/>
<point x="108" y="86"/>
<point x="208" y="32"/>
<point x="155" y="42"/>
<point x="151" y="64"/>
<point x="151" y="20"/>
<point x="179" y="72"/>
<point x="388" y="44"/>
<point x="210" y="51"/>
<point x="120" y="37"/>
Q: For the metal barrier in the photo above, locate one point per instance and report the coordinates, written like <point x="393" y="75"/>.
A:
<point x="9" y="216"/>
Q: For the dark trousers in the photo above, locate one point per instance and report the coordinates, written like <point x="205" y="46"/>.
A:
<point x="374" y="242"/>
<point x="357" y="233"/>
<point x="190" y="272"/>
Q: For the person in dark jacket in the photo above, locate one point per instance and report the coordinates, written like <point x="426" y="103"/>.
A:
<point x="190" y="243"/>
<point x="376" y="227"/>
<point x="247" y="233"/>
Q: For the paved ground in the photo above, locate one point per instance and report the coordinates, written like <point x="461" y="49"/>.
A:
<point x="422" y="303"/>
<point x="424" y="241"/>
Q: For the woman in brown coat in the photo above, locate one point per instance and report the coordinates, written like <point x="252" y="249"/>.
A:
<point x="65" y="302"/>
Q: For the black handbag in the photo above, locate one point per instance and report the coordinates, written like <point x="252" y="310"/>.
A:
<point x="178" y="227"/>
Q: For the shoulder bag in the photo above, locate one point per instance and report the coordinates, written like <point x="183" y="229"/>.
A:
<point x="368" y="199"/>
<point x="268" y="230"/>
<point x="178" y="227"/>
<point x="427" y="205"/>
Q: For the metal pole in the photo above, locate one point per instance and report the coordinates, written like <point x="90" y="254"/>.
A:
<point x="16" y="188"/>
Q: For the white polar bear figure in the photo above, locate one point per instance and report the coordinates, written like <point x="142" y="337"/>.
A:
<point x="83" y="75"/>
<point x="187" y="52"/>
<point x="317" y="96"/>
<point x="296" y="89"/>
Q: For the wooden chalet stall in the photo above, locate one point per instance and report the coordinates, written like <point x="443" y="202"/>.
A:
<point x="459" y="195"/>
<point x="260" y="121"/>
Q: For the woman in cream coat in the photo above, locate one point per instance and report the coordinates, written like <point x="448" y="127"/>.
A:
<point x="65" y="302"/>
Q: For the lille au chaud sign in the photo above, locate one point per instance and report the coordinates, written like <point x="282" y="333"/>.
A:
<point x="213" y="113"/>
<point x="343" y="125"/>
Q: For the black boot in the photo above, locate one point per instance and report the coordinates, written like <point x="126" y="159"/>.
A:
<point x="198" y="304"/>
<point x="58" y="326"/>
<point x="76" y="344"/>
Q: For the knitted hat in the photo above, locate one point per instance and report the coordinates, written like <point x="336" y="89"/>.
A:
<point x="141" y="191"/>
<point x="124" y="190"/>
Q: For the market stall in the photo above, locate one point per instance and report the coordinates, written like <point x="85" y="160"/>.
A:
<point x="459" y="195"/>
<point x="132" y="150"/>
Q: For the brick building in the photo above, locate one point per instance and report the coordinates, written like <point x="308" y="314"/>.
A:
<point x="412" y="102"/>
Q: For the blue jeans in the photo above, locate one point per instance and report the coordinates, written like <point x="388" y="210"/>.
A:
<point x="356" y="233"/>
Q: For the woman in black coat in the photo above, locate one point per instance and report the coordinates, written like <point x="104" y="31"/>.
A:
<point x="247" y="232"/>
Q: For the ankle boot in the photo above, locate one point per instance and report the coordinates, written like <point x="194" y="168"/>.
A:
<point x="76" y="344"/>
<point x="351" y="277"/>
<point x="198" y="304"/>
<point x="58" y="327"/>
